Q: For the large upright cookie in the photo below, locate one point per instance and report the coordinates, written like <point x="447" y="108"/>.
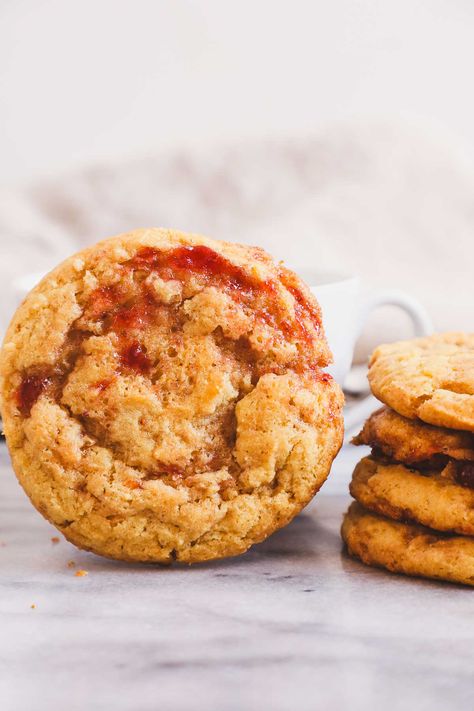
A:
<point x="406" y="548"/>
<point x="443" y="500"/>
<point x="413" y="441"/>
<point x="430" y="378"/>
<point x="163" y="397"/>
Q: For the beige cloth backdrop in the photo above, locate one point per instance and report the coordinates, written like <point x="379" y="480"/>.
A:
<point x="384" y="201"/>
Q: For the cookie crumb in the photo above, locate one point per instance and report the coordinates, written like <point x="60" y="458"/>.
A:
<point x="81" y="573"/>
<point x="55" y="539"/>
<point x="33" y="606"/>
<point x="71" y="564"/>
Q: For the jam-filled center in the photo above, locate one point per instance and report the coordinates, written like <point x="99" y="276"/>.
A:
<point x="130" y="308"/>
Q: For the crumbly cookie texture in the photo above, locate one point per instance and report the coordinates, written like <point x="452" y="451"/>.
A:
<point x="413" y="441"/>
<point x="407" y="548"/>
<point x="433" y="498"/>
<point x="428" y="378"/>
<point x="164" y="398"/>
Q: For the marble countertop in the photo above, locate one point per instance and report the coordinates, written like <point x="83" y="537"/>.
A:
<point x="293" y="624"/>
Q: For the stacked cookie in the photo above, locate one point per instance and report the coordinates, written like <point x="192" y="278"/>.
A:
<point x="414" y="509"/>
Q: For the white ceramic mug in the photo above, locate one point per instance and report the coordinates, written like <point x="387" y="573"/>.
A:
<point x="345" y="312"/>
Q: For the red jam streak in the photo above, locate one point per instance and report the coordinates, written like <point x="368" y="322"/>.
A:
<point x="175" y="473"/>
<point x="122" y="314"/>
<point x="30" y="389"/>
<point x="104" y="384"/>
<point x="304" y="311"/>
<point x="104" y="299"/>
<point x="323" y="377"/>
<point x="133" y="484"/>
<point x="134" y="357"/>
<point x="204" y="261"/>
<point x="193" y="260"/>
<point x="465" y="474"/>
<point x="120" y="317"/>
<point x="136" y="315"/>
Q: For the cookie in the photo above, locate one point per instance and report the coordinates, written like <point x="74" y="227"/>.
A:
<point x="435" y="498"/>
<point x="407" y="548"/>
<point x="428" y="378"/>
<point x="164" y="398"/>
<point x="413" y="441"/>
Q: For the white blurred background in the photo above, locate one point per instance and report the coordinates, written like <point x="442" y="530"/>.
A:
<point x="338" y="135"/>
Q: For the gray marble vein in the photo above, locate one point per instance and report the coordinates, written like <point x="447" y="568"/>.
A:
<point x="293" y="624"/>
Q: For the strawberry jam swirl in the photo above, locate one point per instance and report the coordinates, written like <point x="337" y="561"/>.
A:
<point x="29" y="390"/>
<point x="127" y="314"/>
<point x="184" y="262"/>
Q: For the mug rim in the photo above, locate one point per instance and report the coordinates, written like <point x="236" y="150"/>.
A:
<point x="324" y="278"/>
<point x="26" y="282"/>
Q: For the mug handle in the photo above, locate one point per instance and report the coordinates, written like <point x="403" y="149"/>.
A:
<point x="422" y="326"/>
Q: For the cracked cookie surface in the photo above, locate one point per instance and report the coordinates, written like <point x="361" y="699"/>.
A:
<point x="407" y="548"/>
<point x="163" y="397"/>
<point x="434" y="498"/>
<point x="428" y="378"/>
